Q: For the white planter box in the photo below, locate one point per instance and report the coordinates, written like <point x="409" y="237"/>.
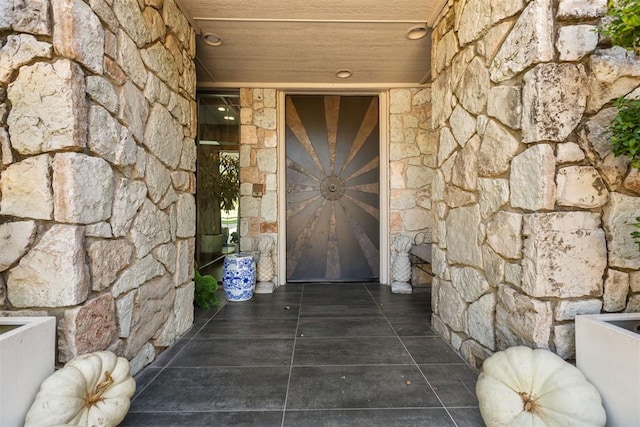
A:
<point x="608" y="354"/>
<point x="27" y="358"/>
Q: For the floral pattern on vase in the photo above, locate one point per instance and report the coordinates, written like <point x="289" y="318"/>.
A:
<point x="239" y="277"/>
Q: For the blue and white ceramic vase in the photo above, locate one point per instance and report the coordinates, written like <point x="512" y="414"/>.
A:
<point x="239" y="277"/>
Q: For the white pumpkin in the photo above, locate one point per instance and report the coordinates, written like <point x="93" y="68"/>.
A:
<point x="525" y="387"/>
<point x="94" y="390"/>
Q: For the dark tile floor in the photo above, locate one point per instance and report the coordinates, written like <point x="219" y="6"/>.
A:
<point x="310" y="355"/>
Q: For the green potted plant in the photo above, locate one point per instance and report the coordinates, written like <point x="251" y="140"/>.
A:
<point x="205" y="290"/>
<point x="217" y="190"/>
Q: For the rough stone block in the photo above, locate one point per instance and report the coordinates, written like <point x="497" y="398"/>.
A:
<point x="616" y="290"/>
<point x="109" y="139"/>
<point x="473" y="87"/>
<point x="505" y="104"/>
<point x="53" y="273"/>
<point x="581" y="186"/>
<point x="576" y="41"/>
<point x="157" y="177"/>
<point x="153" y="306"/>
<point x="101" y="91"/>
<point x="498" y="148"/>
<point x="504" y="234"/>
<point x="26" y="16"/>
<point x="136" y="274"/>
<point x="130" y="17"/>
<point x="48" y="109"/>
<point x="15" y="239"/>
<point x="554" y="97"/>
<point x="163" y="136"/>
<point x="128" y="197"/>
<point x="521" y="320"/>
<point x="265" y="118"/>
<point x="134" y="111"/>
<point x="184" y="261"/>
<point x="466" y="165"/>
<point x="181" y="317"/>
<point x="78" y="34"/>
<point x="564" y="340"/>
<point x="481" y="321"/>
<point x="106" y="259"/>
<point x="400" y="101"/>
<point x="502" y="9"/>
<point x="463" y="125"/>
<point x="26" y="189"/>
<point x="452" y="308"/>
<point x="613" y="73"/>
<point x="569" y="152"/>
<point x="128" y="58"/>
<point x="573" y="10"/>
<point x="87" y="328"/>
<point x="619" y="219"/>
<point x="494" y="193"/>
<point x="463" y="226"/>
<point x="82" y="188"/>
<point x="530" y="42"/>
<point x="474" y="21"/>
<point x="150" y="228"/>
<point x="568" y="309"/>
<point x="124" y="311"/>
<point x="469" y="283"/>
<point x="20" y="49"/>
<point x="187" y="214"/>
<point x="565" y="255"/>
<point x="532" y="179"/>
<point x="167" y="255"/>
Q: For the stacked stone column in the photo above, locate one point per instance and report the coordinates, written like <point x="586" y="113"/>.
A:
<point x="97" y="128"/>
<point x="533" y="213"/>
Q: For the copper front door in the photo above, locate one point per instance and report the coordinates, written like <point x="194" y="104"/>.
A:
<point x="332" y="176"/>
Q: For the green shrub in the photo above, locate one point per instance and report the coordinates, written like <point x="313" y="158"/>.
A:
<point x="625" y="130"/>
<point x="205" y="290"/>
<point x="624" y="26"/>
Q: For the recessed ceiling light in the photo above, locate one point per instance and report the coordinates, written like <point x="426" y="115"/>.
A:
<point x="416" y="32"/>
<point x="343" y="74"/>
<point x="229" y="118"/>
<point x="222" y="109"/>
<point x="212" y="39"/>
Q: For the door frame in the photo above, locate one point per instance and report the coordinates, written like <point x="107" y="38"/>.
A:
<point x="383" y="118"/>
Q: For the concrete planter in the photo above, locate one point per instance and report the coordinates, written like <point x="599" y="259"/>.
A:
<point x="27" y="355"/>
<point x="608" y="353"/>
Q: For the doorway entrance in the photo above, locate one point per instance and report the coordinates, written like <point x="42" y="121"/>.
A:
<point x="333" y="188"/>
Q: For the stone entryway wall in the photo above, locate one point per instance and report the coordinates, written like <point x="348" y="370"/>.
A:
<point x="258" y="168"/>
<point x="533" y="211"/>
<point x="412" y="143"/>
<point x="97" y="125"/>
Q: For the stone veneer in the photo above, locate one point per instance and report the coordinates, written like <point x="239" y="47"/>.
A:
<point x="533" y="213"/>
<point x="411" y="163"/>
<point x="97" y="127"/>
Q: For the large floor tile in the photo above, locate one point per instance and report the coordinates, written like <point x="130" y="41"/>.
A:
<point x="467" y="417"/>
<point x="455" y="384"/>
<point x="200" y="419"/>
<point x="345" y="327"/>
<point x="350" y="351"/>
<point x="430" y="350"/>
<point x="343" y="309"/>
<point x="349" y="387"/>
<point x="144" y="378"/>
<point x="434" y="417"/>
<point x="412" y="327"/>
<point x="361" y="298"/>
<point x="235" y="352"/>
<point x="213" y="388"/>
<point x="238" y="328"/>
<point x="248" y="311"/>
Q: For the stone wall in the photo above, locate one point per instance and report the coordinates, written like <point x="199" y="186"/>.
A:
<point x="97" y="127"/>
<point x="258" y="168"/>
<point x="412" y="162"/>
<point x="533" y="211"/>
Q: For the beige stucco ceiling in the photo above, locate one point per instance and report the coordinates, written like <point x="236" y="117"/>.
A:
<point x="302" y="43"/>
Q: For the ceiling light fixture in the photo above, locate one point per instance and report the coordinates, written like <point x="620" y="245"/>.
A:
<point x="212" y="39"/>
<point x="343" y="74"/>
<point x="416" y="32"/>
<point x="229" y="118"/>
<point x="222" y="109"/>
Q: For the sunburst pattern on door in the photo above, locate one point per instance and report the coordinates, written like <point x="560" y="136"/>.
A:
<point x="332" y="176"/>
